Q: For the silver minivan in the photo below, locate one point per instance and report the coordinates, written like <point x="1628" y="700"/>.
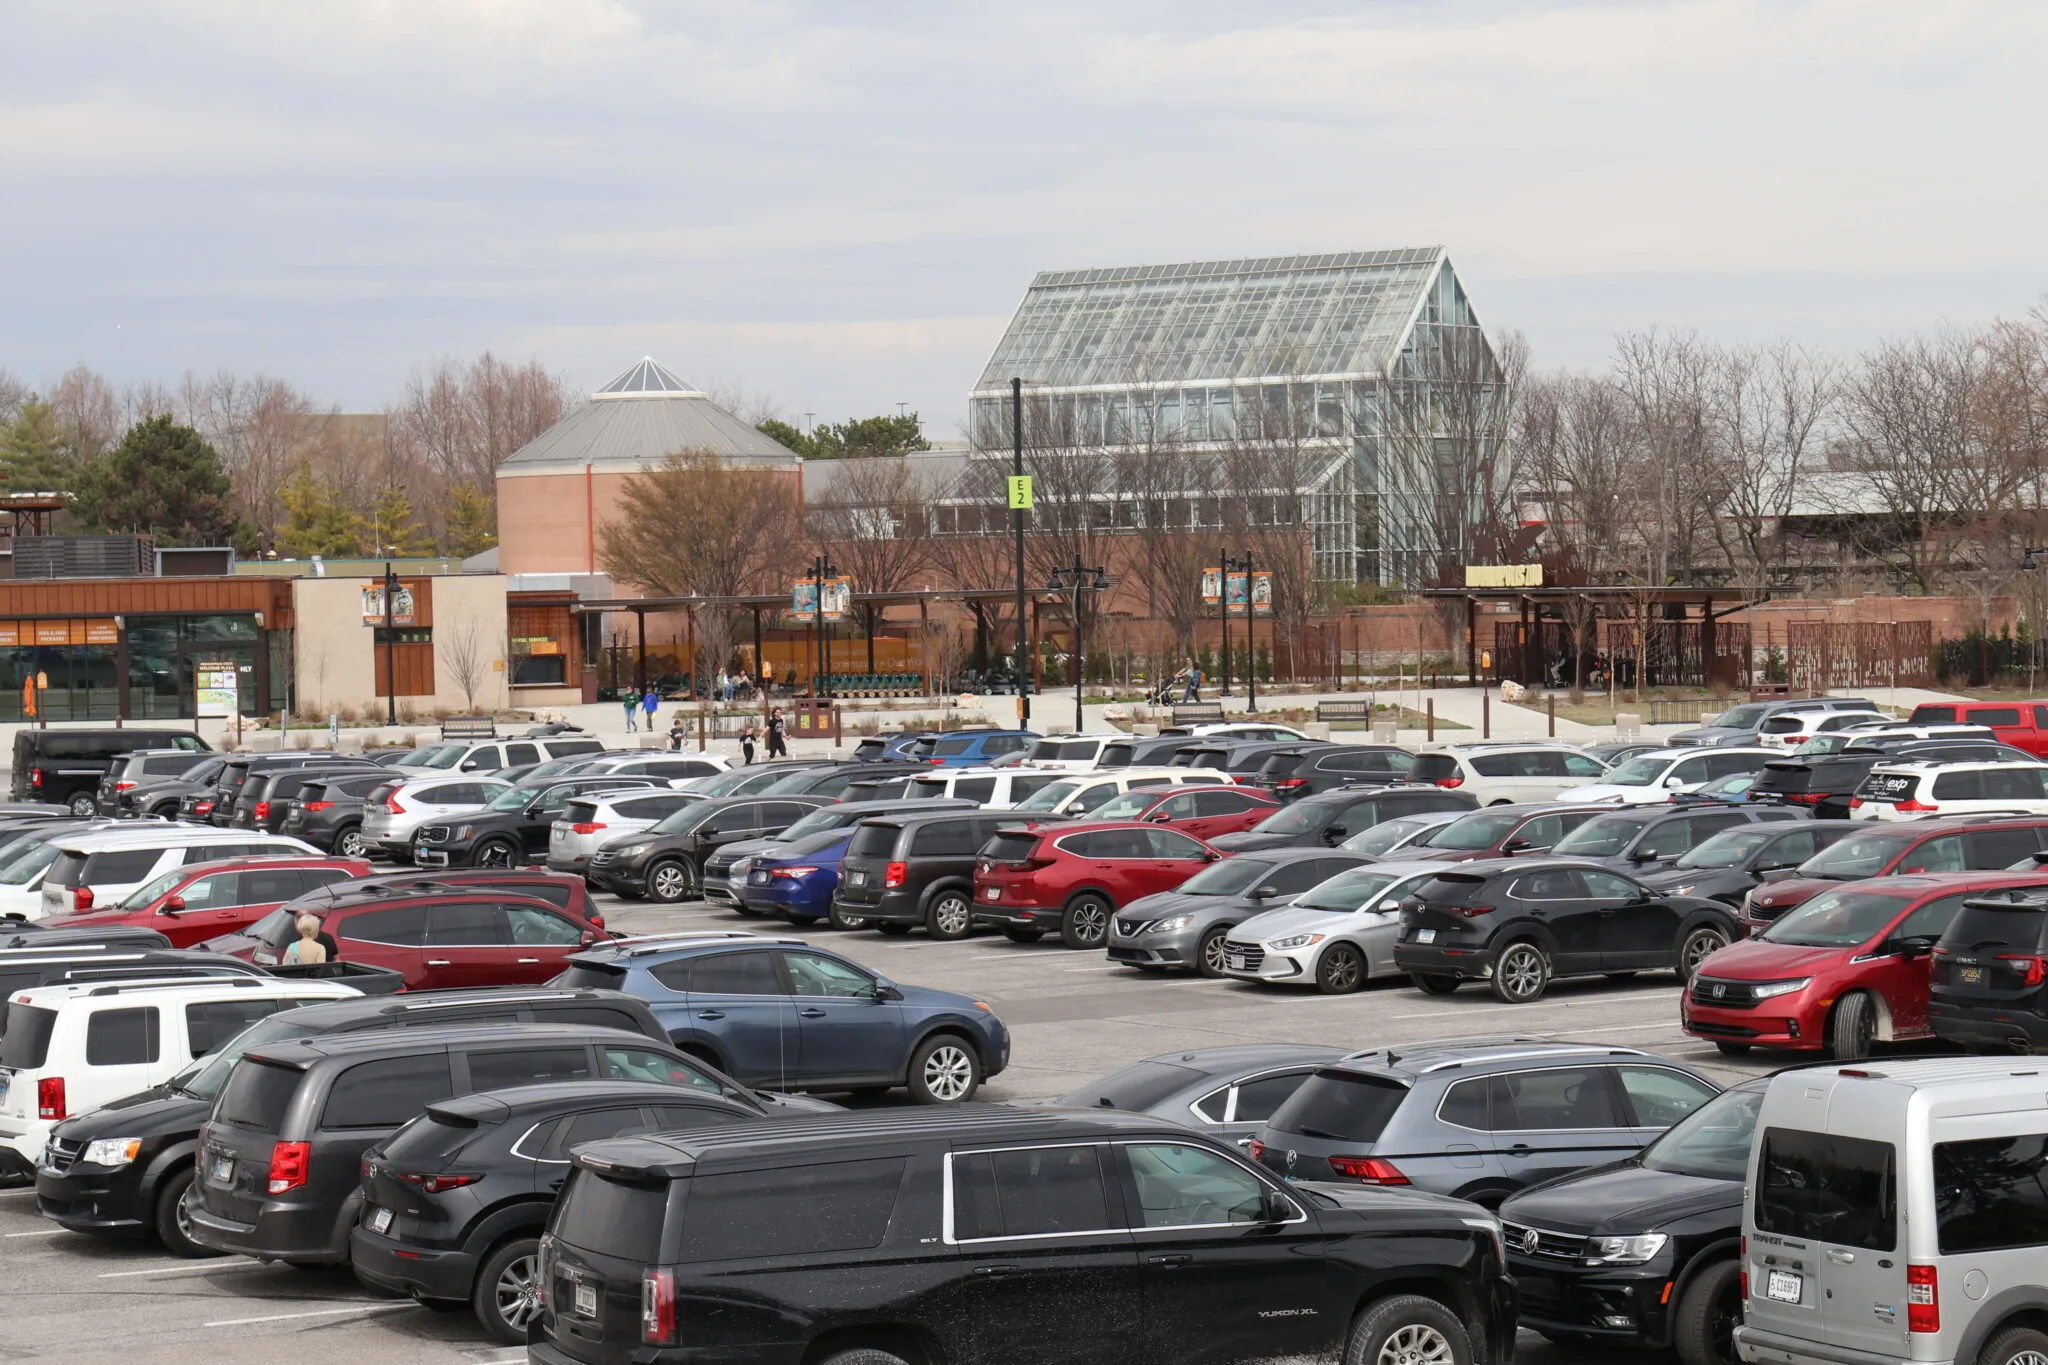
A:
<point x="1898" y="1211"/>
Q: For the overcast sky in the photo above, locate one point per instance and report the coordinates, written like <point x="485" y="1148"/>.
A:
<point x="839" y="204"/>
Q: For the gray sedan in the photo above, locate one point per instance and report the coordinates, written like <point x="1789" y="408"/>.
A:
<point x="1227" y="1092"/>
<point x="1186" y="928"/>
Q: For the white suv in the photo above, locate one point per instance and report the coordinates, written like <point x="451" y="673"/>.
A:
<point x="489" y="757"/>
<point x="1898" y="1210"/>
<point x="101" y="868"/>
<point x="1079" y="793"/>
<point x="391" y="815"/>
<point x="989" y="788"/>
<point x="1654" y="776"/>
<point x="1907" y="790"/>
<point x="591" y="819"/>
<point x="1507" y="774"/>
<point x="1069" y="753"/>
<point x="72" y="1049"/>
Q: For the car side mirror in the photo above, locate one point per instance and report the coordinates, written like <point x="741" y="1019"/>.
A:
<point x="1514" y="846"/>
<point x="1919" y="945"/>
<point x="885" y="991"/>
<point x="470" y="765"/>
<point x="1643" y="855"/>
<point x="1672" y="784"/>
<point x="1911" y="871"/>
<point x="1210" y="855"/>
<point x="589" y="939"/>
<point x="1159" y="817"/>
<point x="173" y="905"/>
<point x="1336" y="834"/>
<point x="1263" y="893"/>
<point x="1275" y="1207"/>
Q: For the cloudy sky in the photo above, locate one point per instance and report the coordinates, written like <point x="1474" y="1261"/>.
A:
<point x="837" y="204"/>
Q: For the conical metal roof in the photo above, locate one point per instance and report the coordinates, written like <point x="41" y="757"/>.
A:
<point x="637" y="421"/>
<point x="647" y="377"/>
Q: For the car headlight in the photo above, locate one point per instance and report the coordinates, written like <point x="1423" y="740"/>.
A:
<point x="629" y="850"/>
<point x="465" y="831"/>
<point x="1681" y="890"/>
<point x="1160" y="926"/>
<point x="112" y="1151"/>
<point x="1296" y="941"/>
<point x="1771" y="988"/>
<point x="1624" y="1250"/>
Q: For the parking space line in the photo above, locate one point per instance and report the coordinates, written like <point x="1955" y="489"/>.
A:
<point x="40" y="1232"/>
<point x="364" y="1306"/>
<point x="224" y="1263"/>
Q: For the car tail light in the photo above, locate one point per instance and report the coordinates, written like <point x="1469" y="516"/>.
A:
<point x="50" y="1098"/>
<point x="595" y="919"/>
<point x="438" y="1184"/>
<point x="1923" y="1299"/>
<point x="262" y="810"/>
<point x="791" y="872"/>
<point x="1804" y="798"/>
<point x="1855" y="803"/>
<point x="1288" y="784"/>
<point x="1257" y="1149"/>
<point x="657" y="1306"/>
<point x="288" y="1161"/>
<point x="391" y="804"/>
<point x="1919" y="807"/>
<point x="35" y="777"/>
<point x="588" y="827"/>
<point x="202" y="807"/>
<point x="1742" y="1259"/>
<point x="895" y="874"/>
<point x="81" y="898"/>
<point x="2032" y="969"/>
<point x="316" y="805"/>
<point x="123" y="786"/>
<point x="1369" y="1170"/>
<point x="1450" y="781"/>
<point x="1468" y="911"/>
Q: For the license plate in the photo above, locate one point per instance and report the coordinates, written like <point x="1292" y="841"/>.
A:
<point x="380" y="1220"/>
<point x="586" y="1300"/>
<point x="993" y="893"/>
<point x="1234" y="962"/>
<point x="857" y="879"/>
<point x="222" y="1171"/>
<point x="430" y="857"/>
<point x="1782" y="1286"/>
<point x="1425" y="935"/>
<point x="4" y="1079"/>
<point x="1972" y="975"/>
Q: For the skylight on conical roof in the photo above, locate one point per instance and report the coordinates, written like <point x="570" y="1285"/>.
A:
<point x="647" y="377"/>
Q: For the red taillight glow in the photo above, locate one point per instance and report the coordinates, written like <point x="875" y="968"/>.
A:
<point x="262" y="810"/>
<point x="35" y="777"/>
<point x="1369" y="1170"/>
<point x="1450" y="781"/>
<point x="1855" y="803"/>
<point x="657" y="1306"/>
<point x="81" y="898"/>
<point x="122" y="786"/>
<point x="1468" y="911"/>
<point x="1804" y="798"/>
<point x="1923" y="1299"/>
<point x="791" y="872"/>
<point x="316" y="805"/>
<point x="202" y="807"/>
<point x="2033" y="970"/>
<point x="1918" y="807"/>
<point x="1289" y="783"/>
<point x="1742" y="1257"/>
<point x="391" y="804"/>
<point x="437" y="1184"/>
<point x="588" y="827"/>
<point x="50" y="1098"/>
<point x="288" y="1162"/>
<point x="895" y="874"/>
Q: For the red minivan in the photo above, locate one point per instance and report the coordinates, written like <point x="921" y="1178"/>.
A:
<point x="1898" y="848"/>
<point x="200" y="901"/>
<point x="1847" y="969"/>
<point x="1069" y="879"/>
<point x="2022" y="724"/>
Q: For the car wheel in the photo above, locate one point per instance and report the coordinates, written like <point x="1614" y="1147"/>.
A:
<point x="1341" y="970"/>
<point x="1699" y="945"/>
<point x="670" y="880"/>
<point x="1209" y="957"/>
<point x="174" y="1219"/>
<point x="950" y="915"/>
<point x="1408" y="1329"/>
<point x="1086" y="922"/>
<point x="1023" y="935"/>
<point x="507" y="1292"/>
<point x="1521" y="974"/>
<point x="944" y="1070"/>
<point x="2016" y="1346"/>
<point x="349" y="843"/>
<point x="1853" y="1028"/>
<point x="83" y="804"/>
<point x="1430" y="983"/>
<point x="841" y="920"/>
<point x="496" y="853"/>
<point x="863" y="1355"/>
<point x="1732" y="1049"/>
<point x="1703" y="1325"/>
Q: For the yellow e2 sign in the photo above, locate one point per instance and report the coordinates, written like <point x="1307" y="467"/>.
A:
<point x="1020" y="492"/>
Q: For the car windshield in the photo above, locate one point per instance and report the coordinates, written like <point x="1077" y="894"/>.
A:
<point x="1389" y="835"/>
<point x="1836" y="919"/>
<point x="1712" y="1142"/>
<point x="1824" y="744"/>
<point x="818" y="822"/>
<point x="1735" y="784"/>
<point x="1304" y="818"/>
<point x="512" y="798"/>
<point x="1640" y="771"/>
<point x="1482" y="829"/>
<point x="1860" y="855"/>
<point x="27" y="864"/>
<point x="1729" y="847"/>
<point x="1049" y="796"/>
<point x="1129" y="806"/>
<point x="721" y="783"/>
<point x="1741" y="717"/>
<point x="205" y="1076"/>
<point x="440" y="756"/>
<point x="689" y="817"/>
<point x="1346" y="891"/>
<point x="1226" y="878"/>
<point x="1603" y="836"/>
<point x="149" y="891"/>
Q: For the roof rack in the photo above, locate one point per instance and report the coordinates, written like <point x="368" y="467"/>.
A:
<point x="1438" y="1044"/>
<point x="239" y="980"/>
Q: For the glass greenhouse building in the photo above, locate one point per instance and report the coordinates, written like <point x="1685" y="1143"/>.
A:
<point x="1358" y="387"/>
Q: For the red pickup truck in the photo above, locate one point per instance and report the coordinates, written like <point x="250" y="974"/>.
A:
<point x="2022" y="724"/>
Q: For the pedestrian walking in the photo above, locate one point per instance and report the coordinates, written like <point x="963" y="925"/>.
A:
<point x="747" y="744"/>
<point x="778" y="747"/>
<point x="632" y="700"/>
<point x="650" y="703"/>
<point x="1194" y="685"/>
<point x="676" y="730"/>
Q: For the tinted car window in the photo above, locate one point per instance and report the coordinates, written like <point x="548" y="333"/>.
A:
<point x="1179" y="1186"/>
<point x="593" y="1126"/>
<point x="1991" y="1194"/>
<point x="530" y="924"/>
<point x="736" y="974"/>
<point x="129" y="865"/>
<point x="1823" y="1187"/>
<point x="385" y="1093"/>
<point x="122" y="1037"/>
<point x="1354" y="1107"/>
<point x="609" y="1216"/>
<point x="472" y="924"/>
<point x="1029" y="1193"/>
<point x="804" y="1211"/>
<point x="945" y="838"/>
<point x="1258" y="1100"/>
<point x="528" y="1066"/>
<point x="257" y="1095"/>
<point x="214" y="1022"/>
<point x="402" y="926"/>
<point x="26" y="1044"/>
<point x="1554" y="1098"/>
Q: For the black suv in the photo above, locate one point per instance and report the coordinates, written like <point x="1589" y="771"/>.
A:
<point x="215" y="805"/>
<point x="1144" y="752"/>
<point x="1243" y="759"/>
<point x="260" y="804"/>
<point x="473" y="1238"/>
<point x="1987" y="984"/>
<point x="65" y="766"/>
<point x="140" y="1194"/>
<point x="280" y="1160"/>
<point x="513" y="827"/>
<point x="1727" y="866"/>
<point x="1826" y="783"/>
<point x="1305" y="769"/>
<point x="165" y="796"/>
<point x="667" y="860"/>
<point x="1031" y="1237"/>
<point x="832" y="779"/>
<point x="1645" y="1251"/>
<point x="144" y="767"/>
<point x="327" y="812"/>
<point x="1332" y="817"/>
<point x="1634" y="838"/>
<point x="900" y="871"/>
<point x="1521" y="923"/>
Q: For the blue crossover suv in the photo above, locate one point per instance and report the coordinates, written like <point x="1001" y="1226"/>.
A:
<point x="782" y="1014"/>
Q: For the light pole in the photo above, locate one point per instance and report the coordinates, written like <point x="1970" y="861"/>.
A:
<point x="1241" y="565"/>
<point x="1077" y="580"/>
<point x="391" y="587"/>
<point x="1017" y="527"/>
<point x="822" y="568"/>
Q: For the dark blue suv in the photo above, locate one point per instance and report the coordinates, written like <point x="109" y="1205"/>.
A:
<point x="969" y="748"/>
<point x="782" y="1014"/>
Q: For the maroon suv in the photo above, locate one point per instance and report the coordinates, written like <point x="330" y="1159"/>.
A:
<point x="1898" y="847"/>
<point x="1070" y="878"/>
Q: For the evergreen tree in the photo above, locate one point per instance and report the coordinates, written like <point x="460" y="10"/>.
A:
<point x="775" y="429"/>
<point x="162" y="481"/>
<point x="390" y="527"/>
<point x="315" y="522"/>
<point x="33" y="455"/>
<point x="472" y="525"/>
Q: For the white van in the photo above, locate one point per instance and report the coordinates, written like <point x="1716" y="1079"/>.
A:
<point x="99" y="869"/>
<point x="989" y="788"/>
<point x="1071" y="753"/>
<point x="1898" y="1211"/>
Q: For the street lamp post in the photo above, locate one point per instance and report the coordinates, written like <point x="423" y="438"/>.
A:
<point x="391" y="587"/>
<point x="822" y="568"/>
<point x="1076" y="580"/>
<point x="1241" y="565"/>
<point x="1017" y="527"/>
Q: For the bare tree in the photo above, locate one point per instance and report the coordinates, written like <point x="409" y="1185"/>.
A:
<point x="1448" y="419"/>
<point x="1768" y="411"/>
<point x="88" y="414"/>
<point x="467" y="658"/>
<point x="873" y="518"/>
<point x="1664" y="380"/>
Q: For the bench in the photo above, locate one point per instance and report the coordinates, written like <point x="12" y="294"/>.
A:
<point x="1348" y="709"/>
<point x="1198" y="713"/>
<point x="469" y="727"/>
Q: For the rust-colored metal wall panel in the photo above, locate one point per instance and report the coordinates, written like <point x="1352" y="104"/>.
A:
<point x="124" y="596"/>
<point x="415" y="669"/>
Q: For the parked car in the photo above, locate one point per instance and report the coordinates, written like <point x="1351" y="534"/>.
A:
<point x="513" y="827"/>
<point x="103" y="866"/>
<point x="1070" y="880"/>
<point x="754" y="776"/>
<point x="1642" y="1252"/>
<point x="280" y="1159"/>
<point x="1328" y="819"/>
<point x="393" y="814"/>
<point x="217" y="807"/>
<point x="70" y="1049"/>
<point x="727" y="869"/>
<point x="666" y="860"/>
<point x="587" y="823"/>
<point x="138" y="768"/>
<point x="894" y="788"/>
<point x="1790" y="729"/>
<point x="473" y="1240"/>
<point x="1186" y="927"/>
<point x="1728" y="866"/>
<point x="1082" y="794"/>
<point x="804" y="1236"/>
<point x="915" y="869"/>
<point x="1478" y="1120"/>
<point x="1203" y="813"/>
<point x="993" y="788"/>
<point x="194" y="902"/>
<point x="797" y="879"/>
<point x="669" y="766"/>
<point x="557" y="889"/>
<point x="1141" y="751"/>
<point x="1889" y="849"/>
<point x="490" y="756"/>
<point x="328" y="813"/>
<point x="162" y="797"/>
<point x="888" y="746"/>
<point x="2023" y="725"/>
<point x="1988" y="974"/>
<point x="1389" y="837"/>
<point x="828" y="781"/>
<point x="967" y="748"/>
<point x="1822" y="783"/>
<point x="1226" y="1092"/>
<point x="1336" y="936"/>
<point x="1505" y="774"/>
<point x="260" y="804"/>
<point x="56" y="957"/>
<point x="1241" y="758"/>
<point x="1732" y="790"/>
<point x="1743" y="722"/>
<point x="1914" y="1188"/>
<point x="1521" y="923"/>
<point x="1616" y="752"/>
<point x="1654" y="776"/>
<point x="1071" y="753"/>
<point x="1639" y="838"/>
<point x="1499" y="832"/>
<point x="782" y="1013"/>
<point x="1310" y="769"/>
<point x="65" y="766"/>
<point x="1905" y="789"/>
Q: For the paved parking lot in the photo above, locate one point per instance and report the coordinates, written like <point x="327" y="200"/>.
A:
<point x="1073" y="1016"/>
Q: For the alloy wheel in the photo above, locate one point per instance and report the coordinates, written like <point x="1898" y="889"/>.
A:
<point x="669" y="883"/>
<point x="1521" y="971"/>
<point x="1416" y="1344"/>
<point x="517" y="1292"/>
<point x="494" y="854"/>
<point x="2021" y="1358"/>
<point x="948" y="1073"/>
<point x="1700" y="944"/>
<point x="1088" y="923"/>
<point x="350" y="844"/>
<point x="82" y="804"/>
<point x="1213" y="954"/>
<point x="951" y="916"/>
<point x="1341" y="970"/>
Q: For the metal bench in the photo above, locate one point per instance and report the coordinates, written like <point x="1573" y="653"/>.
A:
<point x="1347" y="709"/>
<point x="1198" y="713"/>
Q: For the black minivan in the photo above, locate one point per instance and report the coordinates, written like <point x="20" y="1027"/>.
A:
<point x="901" y="871"/>
<point x="64" y="767"/>
<point x="1987" y="984"/>
<point x="1030" y="1237"/>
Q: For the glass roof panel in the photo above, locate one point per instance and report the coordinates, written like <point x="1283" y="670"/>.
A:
<point x="648" y="377"/>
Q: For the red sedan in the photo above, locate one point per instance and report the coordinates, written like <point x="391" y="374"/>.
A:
<point x="1199" y="812"/>
<point x="1848" y="968"/>
<point x="1069" y="879"/>
<point x="200" y="901"/>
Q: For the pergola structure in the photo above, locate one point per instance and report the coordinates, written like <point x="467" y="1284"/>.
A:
<point x="1686" y="640"/>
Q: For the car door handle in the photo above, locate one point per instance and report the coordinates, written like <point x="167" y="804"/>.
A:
<point x="529" y="962"/>
<point x="712" y="1014"/>
<point x="993" y="1270"/>
<point x="1841" y="1257"/>
<point x="437" y="962"/>
<point x="1521" y="1149"/>
<point x="1168" y="1260"/>
<point x="811" y="1014"/>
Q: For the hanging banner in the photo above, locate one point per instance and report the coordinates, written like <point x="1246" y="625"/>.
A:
<point x="1262" y="592"/>
<point x="373" y="606"/>
<point x="803" y="600"/>
<point x="835" y="598"/>
<point x="1503" y="575"/>
<point x="215" y="688"/>
<point x="1212" y="586"/>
